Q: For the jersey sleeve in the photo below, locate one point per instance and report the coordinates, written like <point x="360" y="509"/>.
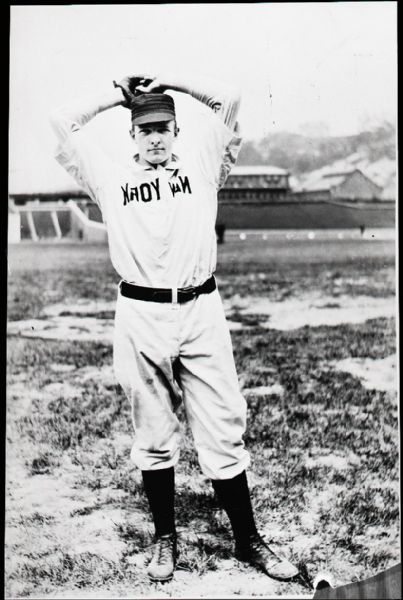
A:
<point x="230" y="156"/>
<point x="89" y="166"/>
<point x="85" y="162"/>
<point x="216" y="149"/>
<point x="215" y="139"/>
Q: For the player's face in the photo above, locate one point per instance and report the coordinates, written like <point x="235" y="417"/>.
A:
<point x="155" y="140"/>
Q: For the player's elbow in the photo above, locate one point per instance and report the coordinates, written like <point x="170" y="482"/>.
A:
<point x="55" y="119"/>
<point x="232" y="102"/>
<point x="233" y="95"/>
<point x="59" y="122"/>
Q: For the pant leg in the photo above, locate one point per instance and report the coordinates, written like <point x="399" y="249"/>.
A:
<point x="145" y="344"/>
<point x="215" y="407"/>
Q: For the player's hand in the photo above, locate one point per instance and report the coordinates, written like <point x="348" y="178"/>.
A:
<point x="152" y="84"/>
<point x="131" y="87"/>
<point x="165" y="81"/>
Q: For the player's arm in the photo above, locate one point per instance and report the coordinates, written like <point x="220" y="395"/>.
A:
<point x="76" y="152"/>
<point x="72" y="117"/>
<point x="222" y="98"/>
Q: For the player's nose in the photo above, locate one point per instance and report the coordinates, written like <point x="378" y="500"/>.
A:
<point x="155" y="138"/>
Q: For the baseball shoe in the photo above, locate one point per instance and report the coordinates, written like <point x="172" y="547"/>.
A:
<point x="162" y="564"/>
<point x="259" y="555"/>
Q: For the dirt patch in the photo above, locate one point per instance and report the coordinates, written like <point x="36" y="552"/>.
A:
<point x="265" y="390"/>
<point x="374" y="374"/>
<point x="312" y="310"/>
<point x="80" y="329"/>
<point x="333" y="461"/>
<point x="81" y="307"/>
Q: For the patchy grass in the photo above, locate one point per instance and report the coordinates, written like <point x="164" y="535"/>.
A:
<point x="324" y="472"/>
<point x="64" y="568"/>
<point x="69" y="422"/>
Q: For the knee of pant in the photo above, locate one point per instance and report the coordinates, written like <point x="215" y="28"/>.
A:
<point x="162" y="442"/>
<point x="149" y="459"/>
<point x="225" y="464"/>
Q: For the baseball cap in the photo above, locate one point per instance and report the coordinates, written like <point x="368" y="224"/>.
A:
<point x="152" y="108"/>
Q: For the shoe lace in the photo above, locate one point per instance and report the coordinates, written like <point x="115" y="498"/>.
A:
<point x="164" y="548"/>
<point x="256" y="543"/>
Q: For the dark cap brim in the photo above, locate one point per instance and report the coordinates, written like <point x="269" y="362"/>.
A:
<point x="153" y="117"/>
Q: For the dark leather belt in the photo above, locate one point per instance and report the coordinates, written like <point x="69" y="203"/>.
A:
<point x="137" y="292"/>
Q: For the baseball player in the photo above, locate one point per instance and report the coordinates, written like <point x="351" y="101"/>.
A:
<point x="171" y="339"/>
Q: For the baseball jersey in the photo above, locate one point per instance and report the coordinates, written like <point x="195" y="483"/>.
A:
<point x="160" y="221"/>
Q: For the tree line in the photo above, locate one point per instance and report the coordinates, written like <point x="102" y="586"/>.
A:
<point x="301" y="153"/>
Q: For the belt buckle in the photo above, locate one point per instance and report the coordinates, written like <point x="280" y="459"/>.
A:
<point x="189" y="291"/>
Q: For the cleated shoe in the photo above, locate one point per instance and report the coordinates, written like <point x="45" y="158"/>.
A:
<point x="162" y="564"/>
<point x="259" y="555"/>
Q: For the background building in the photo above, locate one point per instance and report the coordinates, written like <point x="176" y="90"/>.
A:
<point x="327" y="184"/>
<point x="264" y="182"/>
<point x="265" y="197"/>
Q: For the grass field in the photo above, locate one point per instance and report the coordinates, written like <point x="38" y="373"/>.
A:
<point x="324" y="446"/>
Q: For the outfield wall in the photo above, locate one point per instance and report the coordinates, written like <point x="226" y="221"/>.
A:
<point x="296" y="214"/>
<point x="306" y="215"/>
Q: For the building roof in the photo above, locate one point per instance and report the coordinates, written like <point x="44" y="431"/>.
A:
<point x="323" y="179"/>
<point x="326" y="182"/>
<point x="380" y="172"/>
<point x="338" y="173"/>
<point x="257" y="170"/>
<point x="326" y="179"/>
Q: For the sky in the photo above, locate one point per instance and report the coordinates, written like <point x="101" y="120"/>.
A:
<point x="314" y="67"/>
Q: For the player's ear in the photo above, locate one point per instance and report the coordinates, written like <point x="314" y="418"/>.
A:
<point x="131" y="133"/>
<point x="176" y="130"/>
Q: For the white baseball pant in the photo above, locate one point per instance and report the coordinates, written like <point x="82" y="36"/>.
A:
<point x="148" y="337"/>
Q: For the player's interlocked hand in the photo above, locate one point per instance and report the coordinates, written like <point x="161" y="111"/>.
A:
<point x="133" y="85"/>
<point x="152" y="84"/>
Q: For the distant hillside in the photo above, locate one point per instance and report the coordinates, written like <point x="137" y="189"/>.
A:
<point x="301" y="153"/>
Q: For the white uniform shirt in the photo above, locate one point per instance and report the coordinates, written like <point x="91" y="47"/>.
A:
<point x="160" y="222"/>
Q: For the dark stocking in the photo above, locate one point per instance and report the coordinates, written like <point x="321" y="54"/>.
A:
<point x="235" y="499"/>
<point x="159" y="486"/>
